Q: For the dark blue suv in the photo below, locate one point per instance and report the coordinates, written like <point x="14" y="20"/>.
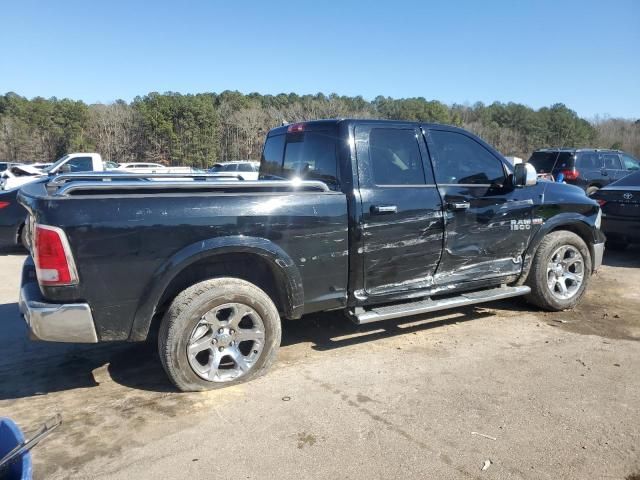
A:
<point x="589" y="169"/>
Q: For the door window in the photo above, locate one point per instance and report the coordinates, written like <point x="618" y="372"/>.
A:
<point x="629" y="162"/>
<point x="395" y="158"/>
<point x="459" y="159"/>
<point x="611" y="161"/>
<point x="245" y="167"/>
<point x="80" y="164"/>
<point x="589" y="161"/>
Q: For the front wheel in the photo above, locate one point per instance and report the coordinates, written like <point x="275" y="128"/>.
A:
<point x="218" y="332"/>
<point x="560" y="272"/>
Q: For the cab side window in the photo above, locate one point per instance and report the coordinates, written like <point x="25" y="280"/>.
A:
<point x="459" y="159"/>
<point x="395" y="157"/>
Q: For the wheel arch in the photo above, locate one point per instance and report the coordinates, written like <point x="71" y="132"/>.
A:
<point x="254" y="259"/>
<point x="574" y="223"/>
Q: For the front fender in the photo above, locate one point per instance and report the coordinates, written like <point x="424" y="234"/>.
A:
<point x="576" y="222"/>
<point x="284" y="269"/>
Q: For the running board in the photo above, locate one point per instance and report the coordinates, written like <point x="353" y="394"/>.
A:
<point x="377" y="314"/>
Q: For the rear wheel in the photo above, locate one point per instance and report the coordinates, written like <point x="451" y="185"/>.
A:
<point x="560" y="272"/>
<point x="219" y="332"/>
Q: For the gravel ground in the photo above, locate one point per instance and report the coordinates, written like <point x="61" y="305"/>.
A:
<point x="537" y="395"/>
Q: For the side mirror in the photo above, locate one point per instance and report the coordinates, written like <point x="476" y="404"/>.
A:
<point x="524" y="174"/>
<point x="66" y="168"/>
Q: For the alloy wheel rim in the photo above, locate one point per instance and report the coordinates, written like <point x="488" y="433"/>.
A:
<point x="226" y="343"/>
<point x="565" y="272"/>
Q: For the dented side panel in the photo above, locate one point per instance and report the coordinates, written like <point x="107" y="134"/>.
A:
<point x="487" y="239"/>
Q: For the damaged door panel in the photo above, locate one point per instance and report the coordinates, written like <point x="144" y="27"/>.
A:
<point x="487" y="221"/>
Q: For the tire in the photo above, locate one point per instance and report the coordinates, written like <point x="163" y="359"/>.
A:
<point x="211" y="319"/>
<point x="591" y="190"/>
<point x="551" y="269"/>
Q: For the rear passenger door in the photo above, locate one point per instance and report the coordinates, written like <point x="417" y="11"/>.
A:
<point x="401" y="222"/>
<point x="487" y="222"/>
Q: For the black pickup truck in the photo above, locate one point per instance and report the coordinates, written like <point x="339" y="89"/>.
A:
<point x="378" y="219"/>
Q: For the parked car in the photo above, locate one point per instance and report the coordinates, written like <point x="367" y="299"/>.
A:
<point x="378" y="219"/>
<point x="42" y="165"/>
<point x="12" y="219"/>
<point x="6" y="165"/>
<point x="246" y="169"/>
<point x="73" y="162"/>
<point x="590" y="169"/>
<point x="620" y="203"/>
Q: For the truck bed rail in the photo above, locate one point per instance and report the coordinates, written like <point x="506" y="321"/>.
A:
<point x="102" y="183"/>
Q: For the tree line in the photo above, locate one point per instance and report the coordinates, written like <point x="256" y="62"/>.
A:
<point x="198" y="130"/>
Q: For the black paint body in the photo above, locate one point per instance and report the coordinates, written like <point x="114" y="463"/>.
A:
<point x="327" y="250"/>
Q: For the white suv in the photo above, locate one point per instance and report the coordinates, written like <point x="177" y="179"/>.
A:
<point x="247" y="169"/>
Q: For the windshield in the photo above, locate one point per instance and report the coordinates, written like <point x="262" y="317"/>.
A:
<point x="55" y="164"/>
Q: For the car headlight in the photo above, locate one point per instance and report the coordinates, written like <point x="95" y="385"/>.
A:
<point x="599" y="219"/>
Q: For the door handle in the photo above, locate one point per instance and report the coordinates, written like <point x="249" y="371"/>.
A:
<point x="383" y="209"/>
<point x="458" y="205"/>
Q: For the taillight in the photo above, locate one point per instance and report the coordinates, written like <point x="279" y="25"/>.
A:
<point x="601" y="202"/>
<point x="295" y="128"/>
<point x="572" y="174"/>
<point x="4" y="204"/>
<point x="52" y="255"/>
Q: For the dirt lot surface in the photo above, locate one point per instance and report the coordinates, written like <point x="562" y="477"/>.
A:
<point x="557" y="395"/>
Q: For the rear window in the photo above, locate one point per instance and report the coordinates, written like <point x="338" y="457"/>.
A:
<point x="631" y="180"/>
<point x="546" y="162"/>
<point x="309" y="155"/>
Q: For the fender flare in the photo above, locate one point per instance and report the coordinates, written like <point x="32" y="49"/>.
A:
<point x="572" y="220"/>
<point x="283" y="267"/>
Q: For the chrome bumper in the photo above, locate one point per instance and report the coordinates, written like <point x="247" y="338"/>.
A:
<point x="598" y="253"/>
<point x="53" y="322"/>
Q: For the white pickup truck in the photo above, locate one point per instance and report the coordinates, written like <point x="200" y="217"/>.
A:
<point x="19" y="175"/>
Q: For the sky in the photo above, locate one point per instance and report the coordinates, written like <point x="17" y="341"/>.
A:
<point x="585" y="54"/>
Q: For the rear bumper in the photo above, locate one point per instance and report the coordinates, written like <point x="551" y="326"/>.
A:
<point x="54" y="322"/>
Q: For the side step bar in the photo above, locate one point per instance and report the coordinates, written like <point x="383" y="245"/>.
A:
<point x="377" y="314"/>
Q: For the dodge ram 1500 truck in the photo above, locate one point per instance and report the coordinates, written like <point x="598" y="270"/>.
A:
<point x="378" y="219"/>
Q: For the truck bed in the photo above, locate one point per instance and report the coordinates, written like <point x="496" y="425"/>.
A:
<point x="121" y="232"/>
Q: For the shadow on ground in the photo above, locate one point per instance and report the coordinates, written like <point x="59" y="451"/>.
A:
<point x="629" y="258"/>
<point x="13" y="250"/>
<point x="29" y="368"/>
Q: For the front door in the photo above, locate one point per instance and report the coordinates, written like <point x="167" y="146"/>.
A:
<point x="401" y="222"/>
<point x="487" y="222"/>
